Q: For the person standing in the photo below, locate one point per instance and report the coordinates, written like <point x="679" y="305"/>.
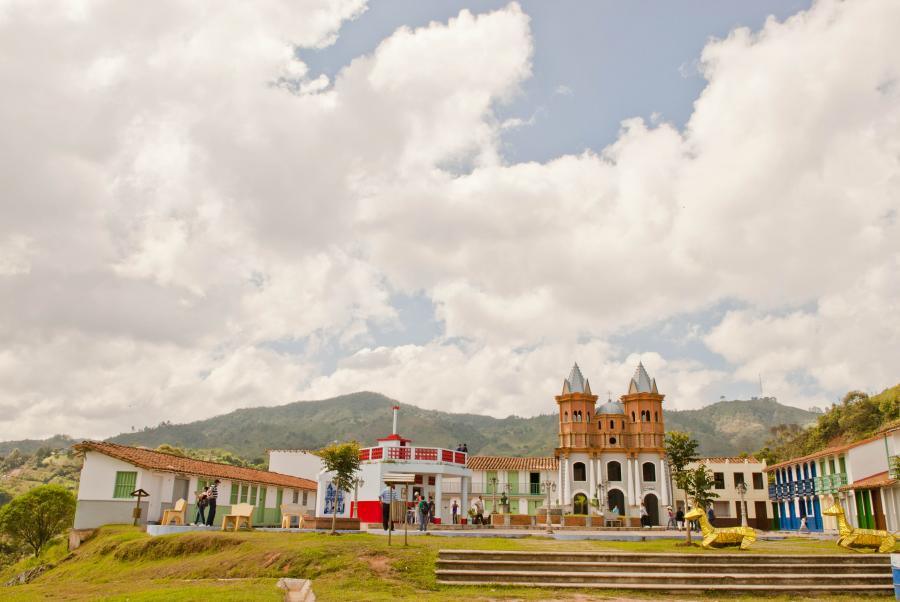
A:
<point x="679" y="519"/>
<point x="423" y="513"/>
<point x="202" y="502"/>
<point x="711" y="516"/>
<point x="670" y="524"/>
<point x="430" y="508"/>
<point x="455" y="509"/>
<point x="645" y="518"/>
<point x="479" y="511"/>
<point x="212" y="496"/>
<point x="388" y="495"/>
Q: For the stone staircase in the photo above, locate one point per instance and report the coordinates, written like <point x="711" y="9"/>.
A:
<point x="751" y="573"/>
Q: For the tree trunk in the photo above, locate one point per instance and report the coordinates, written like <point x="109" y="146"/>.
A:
<point x="334" y="519"/>
<point x="687" y="523"/>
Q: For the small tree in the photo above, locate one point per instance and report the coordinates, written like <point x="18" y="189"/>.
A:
<point x="38" y="516"/>
<point x="343" y="460"/>
<point x="681" y="450"/>
<point x="701" y="486"/>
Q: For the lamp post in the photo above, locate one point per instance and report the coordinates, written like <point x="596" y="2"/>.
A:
<point x="493" y="496"/>
<point x="357" y="483"/>
<point x="742" y="490"/>
<point x="548" y="487"/>
<point x="601" y="497"/>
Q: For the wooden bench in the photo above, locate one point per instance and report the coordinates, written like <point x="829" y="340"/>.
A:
<point x="239" y="513"/>
<point x="288" y="511"/>
<point x="177" y="513"/>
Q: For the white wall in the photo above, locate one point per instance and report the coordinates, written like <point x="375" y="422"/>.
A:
<point x="296" y="463"/>
<point x="865" y="460"/>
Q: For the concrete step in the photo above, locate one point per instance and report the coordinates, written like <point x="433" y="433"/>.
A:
<point x="881" y="560"/>
<point x="702" y="580"/>
<point x="765" y="590"/>
<point x="653" y="567"/>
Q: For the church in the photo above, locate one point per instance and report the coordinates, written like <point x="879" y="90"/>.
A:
<point x="613" y="452"/>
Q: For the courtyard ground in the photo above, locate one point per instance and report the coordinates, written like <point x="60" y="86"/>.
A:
<point x="123" y="563"/>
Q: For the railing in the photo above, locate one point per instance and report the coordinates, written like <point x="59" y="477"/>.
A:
<point x="417" y="454"/>
<point x="773" y="492"/>
<point x="830" y="483"/>
<point x="895" y="467"/>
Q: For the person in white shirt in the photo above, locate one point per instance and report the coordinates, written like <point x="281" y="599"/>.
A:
<point x="388" y="495"/>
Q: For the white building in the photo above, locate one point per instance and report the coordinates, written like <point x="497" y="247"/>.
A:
<point x="111" y="472"/>
<point x="727" y="473"/>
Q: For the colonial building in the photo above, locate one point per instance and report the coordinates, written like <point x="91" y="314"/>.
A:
<point x="861" y="476"/>
<point x="609" y="455"/>
<point x="111" y="472"/>
<point x="728" y="475"/>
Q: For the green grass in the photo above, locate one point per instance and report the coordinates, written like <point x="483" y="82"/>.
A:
<point x="122" y="563"/>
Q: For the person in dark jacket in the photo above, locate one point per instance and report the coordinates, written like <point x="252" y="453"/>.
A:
<point x="711" y="515"/>
<point x="212" y="497"/>
<point x="202" y="503"/>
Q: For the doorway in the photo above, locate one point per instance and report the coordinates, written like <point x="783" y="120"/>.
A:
<point x="651" y="503"/>
<point x="762" y="516"/>
<point x="580" y="504"/>
<point x="616" y="501"/>
<point x="181" y="490"/>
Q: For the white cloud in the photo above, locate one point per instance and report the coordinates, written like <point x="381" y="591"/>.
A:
<point x="180" y="195"/>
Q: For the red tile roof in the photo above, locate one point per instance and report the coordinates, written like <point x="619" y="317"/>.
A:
<point x="874" y="481"/>
<point x="512" y="463"/>
<point x="156" y="460"/>
<point x="731" y="460"/>
<point x="825" y="452"/>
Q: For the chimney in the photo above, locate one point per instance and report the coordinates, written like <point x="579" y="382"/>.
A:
<point x="396" y="409"/>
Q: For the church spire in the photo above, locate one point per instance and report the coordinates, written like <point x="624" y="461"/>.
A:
<point x="575" y="383"/>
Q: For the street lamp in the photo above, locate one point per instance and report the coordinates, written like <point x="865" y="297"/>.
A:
<point x="601" y="497"/>
<point x="548" y="487"/>
<point x="493" y="481"/>
<point x="357" y="482"/>
<point x="742" y="490"/>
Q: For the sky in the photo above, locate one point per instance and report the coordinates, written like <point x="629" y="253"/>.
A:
<point x="207" y="206"/>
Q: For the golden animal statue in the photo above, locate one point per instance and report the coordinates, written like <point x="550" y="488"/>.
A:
<point x="728" y="536"/>
<point x="851" y="537"/>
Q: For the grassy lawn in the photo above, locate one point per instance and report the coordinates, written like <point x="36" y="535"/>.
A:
<point x="122" y="563"/>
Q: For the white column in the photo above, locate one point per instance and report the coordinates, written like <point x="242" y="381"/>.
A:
<point x="559" y="482"/>
<point x="629" y="483"/>
<point x="638" y="491"/>
<point x="663" y="483"/>
<point x="464" y="496"/>
<point x="438" y="479"/>
<point x="565" y="488"/>
<point x="592" y="478"/>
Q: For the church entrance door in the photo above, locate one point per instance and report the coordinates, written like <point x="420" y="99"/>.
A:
<point x="616" y="501"/>
<point x="651" y="503"/>
<point x="580" y="504"/>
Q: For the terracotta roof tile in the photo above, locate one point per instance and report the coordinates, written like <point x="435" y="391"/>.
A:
<point x="825" y="452"/>
<point x="155" y="460"/>
<point x="731" y="460"/>
<point x="874" y="481"/>
<point x="512" y="463"/>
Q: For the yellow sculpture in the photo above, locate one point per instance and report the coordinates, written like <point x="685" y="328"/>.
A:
<point x="852" y="537"/>
<point x="745" y="536"/>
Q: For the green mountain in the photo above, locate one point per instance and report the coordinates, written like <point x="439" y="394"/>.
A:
<point x="723" y="428"/>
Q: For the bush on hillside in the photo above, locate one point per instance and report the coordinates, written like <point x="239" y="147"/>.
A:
<point x="36" y="517"/>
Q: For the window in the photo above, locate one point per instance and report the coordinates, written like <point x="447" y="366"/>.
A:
<point x="758" y="480"/>
<point x="632" y="417"/>
<point x="738" y="479"/>
<point x="719" y="479"/>
<point x="614" y="471"/>
<point x="305" y="499"/>
<point x="579" y="472"/>
<point x="589" y="417"/>
<point x="655" y="416"/>
<point x="612" y="424"/>
<point x="296" y="497"/>
<point x="566" y="417"/>
<point x="623" y="423"/>
<point x="649" y="470"/>
<point x="235" y="491"/>
<point x="612" y="440"/>
<point x="126" y="482"/>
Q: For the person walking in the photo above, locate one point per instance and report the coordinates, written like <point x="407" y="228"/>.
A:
<point x="455" y="509"/>
<point x="478" y="504"/>
<point x="645" y="518"/>
<point x="670" y="524"/>
<point x="388" y="495"/>
<point x="212" y="497"/>
<point x="423" y="514"/>
<point x="202" y="502"/>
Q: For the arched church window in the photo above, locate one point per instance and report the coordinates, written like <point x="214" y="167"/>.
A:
<point x="649" y="470"/>
<point x="589" y="417"/>
<point x="655" y="416"/>
<point x="566" y="417"/>
<point x="578" y="471"/>
<point x="623" y="425"/>
<point x="612" y="424"/>
<point x="614" y="471"/>
<point x="632" y="417"/>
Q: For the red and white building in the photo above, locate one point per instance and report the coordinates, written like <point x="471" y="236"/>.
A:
<point x="433" y="467"/>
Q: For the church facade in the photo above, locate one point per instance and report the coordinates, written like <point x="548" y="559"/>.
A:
<point x="612" y="452"/>
<point x="609" y="455"/>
